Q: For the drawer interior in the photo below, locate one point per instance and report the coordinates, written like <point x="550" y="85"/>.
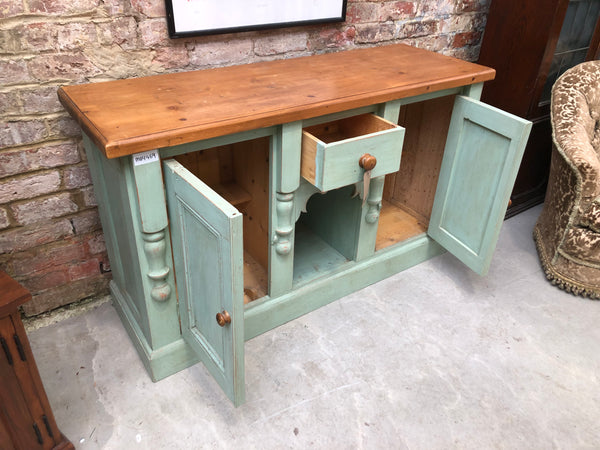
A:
<point x="351" y="127"/>
<point x="240" y="174"/>
<point x="331" y="151"/>
<point x="409" y="193"/>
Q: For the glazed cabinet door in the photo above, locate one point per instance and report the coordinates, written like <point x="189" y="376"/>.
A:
<point x="481" y="159"/>
<point x="206" y="235"/>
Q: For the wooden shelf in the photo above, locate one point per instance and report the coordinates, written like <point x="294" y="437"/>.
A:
<point x="396" y="225"/>
<point x="233" y="193"/>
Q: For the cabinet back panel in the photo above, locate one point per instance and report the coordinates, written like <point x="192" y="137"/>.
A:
<point x="213" y="166"/>
<point x="251" y="172"/>
<point x="335" y="217"/>
<point x="413" y="186"/>
<point x="255" y="279"/>
<point x="240" y="173"/>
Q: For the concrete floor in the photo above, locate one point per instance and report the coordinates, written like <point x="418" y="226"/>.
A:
<point x="434" y="357"/>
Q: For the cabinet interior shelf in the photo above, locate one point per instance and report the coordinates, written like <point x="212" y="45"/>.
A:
<point x="233" y="193"/>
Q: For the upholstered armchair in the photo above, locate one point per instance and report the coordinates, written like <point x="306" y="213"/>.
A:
<point x="567" y="233"/>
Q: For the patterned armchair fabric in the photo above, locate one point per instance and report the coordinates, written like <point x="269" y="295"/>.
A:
<point x="567" y="233"/>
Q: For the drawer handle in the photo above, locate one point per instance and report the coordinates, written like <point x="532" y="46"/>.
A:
<point x="367" y="161"/>
<point x="20" y="348"/>
<point x="7" y="352"/>
<point x="223" y="318"/>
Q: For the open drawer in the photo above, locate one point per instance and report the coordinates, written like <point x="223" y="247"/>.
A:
<point x="331" y="151"/>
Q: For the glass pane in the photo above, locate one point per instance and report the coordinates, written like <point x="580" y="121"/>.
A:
<point x="560" y="64"/>
<point x="574" y="40"/>
<point x="578" y="25"/>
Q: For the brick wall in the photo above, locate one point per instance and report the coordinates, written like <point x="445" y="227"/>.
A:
<point x="50" y="235"/>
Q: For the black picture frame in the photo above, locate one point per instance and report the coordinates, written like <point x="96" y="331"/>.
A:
<point x="188" y="18"/>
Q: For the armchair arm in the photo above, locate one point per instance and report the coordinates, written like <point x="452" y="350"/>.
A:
<point x="572" y="128"/>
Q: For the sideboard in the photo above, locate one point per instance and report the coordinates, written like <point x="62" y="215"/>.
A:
<point x="236" y="199"/>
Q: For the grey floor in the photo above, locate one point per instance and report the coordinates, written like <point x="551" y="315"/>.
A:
<point x="434" y="357"/>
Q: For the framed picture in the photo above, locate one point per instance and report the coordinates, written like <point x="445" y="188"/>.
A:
<point x="198" y="17"/>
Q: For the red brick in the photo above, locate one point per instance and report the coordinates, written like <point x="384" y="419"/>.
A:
<point x="74" y="67"/>
<point x="13" y="162"/>
<point x="14" y="72"/>
<point x="419" y="28"/>
<point x="77" y="176"/>
<point x="44" y="258"/>
<point x="37" y="37"/>
<point x="58" y="7"/>
<point x="10" y="102"/>
<point x="41" y="100"/>
<point x="332" y="38"/>
<point x="149" y="8"/>
<point x="463" y="6"/>
<point x="75" y="36"/>
<point x="435" y="43"/>
<point x="84" y="269"/>
<point x="153" y="33"/>
<point x="43" y="209"/>
<point x="123" y="31"/>
<point x="468" y="53"/>
<point x="23" y="238"/>
<point x="468" y="38"/>
<point x="171" y="57"/>
<point x="396" y="11"/>
<point x="86" y="221"/>
<point x="29" y="186"/>
<point x="435" y="8"/>
<point x="22" y="132"/>
<point x="67" y="293"/>
<point x="4" y="222"/>
<point x="371" y="33"/>
<point x="64" y="127"/>
<point x="221" y="53"/>
<point x="96" y="244"/>
<point x="274" y="44"/>
<point x="89" y="198"/>
<point x="115" y="8"/>
<point x="10" y="8"/>
<point x="50" y="279"/>
<point x="362" y="12"/>
<point x="10" y="42"/>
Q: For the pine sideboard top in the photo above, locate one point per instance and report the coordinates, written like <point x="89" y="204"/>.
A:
<point x="134" y="115"/>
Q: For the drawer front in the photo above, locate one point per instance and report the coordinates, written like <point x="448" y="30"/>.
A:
<point x="331" y="151"/>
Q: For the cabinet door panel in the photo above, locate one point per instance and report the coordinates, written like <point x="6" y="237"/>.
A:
<point x="481" y="159"/>
<point x="14" y="406"/>
<point x="206" y="235"/>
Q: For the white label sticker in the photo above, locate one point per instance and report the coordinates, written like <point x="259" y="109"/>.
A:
<point x="145" y="158"/>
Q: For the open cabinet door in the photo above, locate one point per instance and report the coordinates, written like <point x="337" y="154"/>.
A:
<point x="481" y="160"/>
<point x="206" y="235"/>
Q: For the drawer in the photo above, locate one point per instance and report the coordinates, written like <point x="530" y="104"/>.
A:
<point x="331" y="151"/>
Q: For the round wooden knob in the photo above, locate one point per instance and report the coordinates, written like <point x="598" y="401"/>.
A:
<point x="367" y="161"/>
<point x="223" y="318"/>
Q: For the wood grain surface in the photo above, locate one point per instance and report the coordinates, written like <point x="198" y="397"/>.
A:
<point x="129" y="116"/>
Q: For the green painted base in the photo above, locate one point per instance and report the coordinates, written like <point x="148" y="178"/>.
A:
<point x="267" y="313"/>
<point x="161" y="362"/>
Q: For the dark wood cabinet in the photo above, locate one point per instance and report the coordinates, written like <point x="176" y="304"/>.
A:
<point x="26" y="419"/>
<point x="530" y="44"/>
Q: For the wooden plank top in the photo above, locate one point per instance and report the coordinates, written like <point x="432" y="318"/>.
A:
<point x="12" y="294"/>
<point x="129" y="116"/>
